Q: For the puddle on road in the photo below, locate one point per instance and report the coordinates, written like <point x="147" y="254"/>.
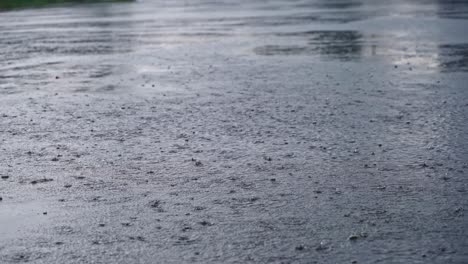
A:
<point x="351" y="45"/>
<point x="456" y="57"/>
<point x="108" y="47"/>
<point x="342" y="45"/>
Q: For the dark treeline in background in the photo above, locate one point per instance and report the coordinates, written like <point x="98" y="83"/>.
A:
<point x="13" y="4"/>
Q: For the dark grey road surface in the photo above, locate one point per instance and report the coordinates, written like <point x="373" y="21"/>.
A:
<point x="235" y="132"/>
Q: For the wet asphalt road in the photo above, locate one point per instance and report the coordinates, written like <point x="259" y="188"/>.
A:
<point x="235" y="132"/>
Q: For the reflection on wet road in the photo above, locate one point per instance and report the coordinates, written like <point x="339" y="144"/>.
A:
<point x="90" y="43"/>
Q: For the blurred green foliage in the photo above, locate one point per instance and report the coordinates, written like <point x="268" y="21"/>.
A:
<point x="13" y="4"/>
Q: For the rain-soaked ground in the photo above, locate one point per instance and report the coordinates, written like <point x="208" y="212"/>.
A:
<point x="235" y="131"/>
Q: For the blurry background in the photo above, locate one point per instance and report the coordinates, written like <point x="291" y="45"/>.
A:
<point x="110" y="42"/>
<point x="12" y="4"/>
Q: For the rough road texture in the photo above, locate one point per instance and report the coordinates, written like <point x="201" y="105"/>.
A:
<point x="279" y="132"/>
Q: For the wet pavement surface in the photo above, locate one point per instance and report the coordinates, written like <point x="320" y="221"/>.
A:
<point x="235" y="131"/>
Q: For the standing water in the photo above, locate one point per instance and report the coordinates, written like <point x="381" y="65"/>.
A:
<point x="234" y="131"/>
